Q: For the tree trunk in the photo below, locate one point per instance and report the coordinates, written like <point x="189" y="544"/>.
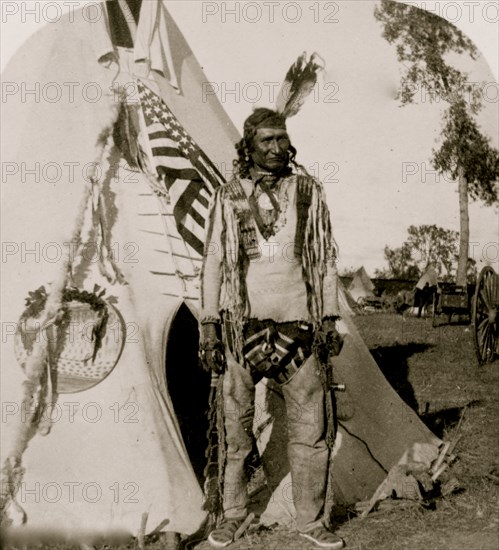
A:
<point x="464" y="234"/>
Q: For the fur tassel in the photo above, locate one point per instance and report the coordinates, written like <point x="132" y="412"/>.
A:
<point x="298" y="84"/>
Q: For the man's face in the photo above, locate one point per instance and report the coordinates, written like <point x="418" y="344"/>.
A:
<point x="271" y="147"/>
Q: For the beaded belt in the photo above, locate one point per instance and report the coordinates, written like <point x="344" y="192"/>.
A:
<point x="276" y="350"/>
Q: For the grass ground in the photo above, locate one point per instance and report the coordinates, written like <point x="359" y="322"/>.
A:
<point x="436" y="372"/>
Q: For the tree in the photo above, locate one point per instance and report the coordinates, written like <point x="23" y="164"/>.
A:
<point x="466" y="155"/>
<point x="425" y="244"/>
<point x="423" y="40"/>
<point x="436" y="245"/>
<point x="400" y="264"/>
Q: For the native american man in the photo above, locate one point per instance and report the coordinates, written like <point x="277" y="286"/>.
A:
<point x="269" y="287"/>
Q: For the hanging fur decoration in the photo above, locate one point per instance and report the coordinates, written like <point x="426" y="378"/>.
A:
<point x="298" y="84"/>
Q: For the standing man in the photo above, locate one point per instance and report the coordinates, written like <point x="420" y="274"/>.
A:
<point x="269" y="303"/>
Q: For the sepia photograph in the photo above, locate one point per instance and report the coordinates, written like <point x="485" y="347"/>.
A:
<point x="250" y="275"/>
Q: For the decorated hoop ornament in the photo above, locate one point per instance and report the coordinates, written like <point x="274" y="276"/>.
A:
<point x="84" y="342"/>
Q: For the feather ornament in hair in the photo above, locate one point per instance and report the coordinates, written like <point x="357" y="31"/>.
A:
<point x="298" y="84"/>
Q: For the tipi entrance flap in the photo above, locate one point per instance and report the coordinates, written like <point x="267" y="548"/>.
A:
<point x="188" y="386"/>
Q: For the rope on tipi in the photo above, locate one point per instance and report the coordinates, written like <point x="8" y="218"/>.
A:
<point x="38" y="384"/>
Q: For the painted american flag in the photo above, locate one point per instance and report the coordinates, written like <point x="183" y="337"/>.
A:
<point x="189" y="175"/>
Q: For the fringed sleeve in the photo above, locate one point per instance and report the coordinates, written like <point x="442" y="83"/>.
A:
<point x="330" y="285"/>
<point x="319" y="259"/>
<point x="331" y="303"/>
<point x="211" y="274"/>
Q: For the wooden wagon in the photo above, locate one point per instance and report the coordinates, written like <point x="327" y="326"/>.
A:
<point x="370" y="303"/>
<point x="451" y="300"/>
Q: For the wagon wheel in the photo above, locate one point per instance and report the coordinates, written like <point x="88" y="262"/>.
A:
<point x="485" y="322"/>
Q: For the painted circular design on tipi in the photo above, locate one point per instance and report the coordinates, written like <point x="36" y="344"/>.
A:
<point x="71" y="352"/>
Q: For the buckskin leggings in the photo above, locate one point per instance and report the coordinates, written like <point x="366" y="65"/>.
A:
<point x="307" y="451"/>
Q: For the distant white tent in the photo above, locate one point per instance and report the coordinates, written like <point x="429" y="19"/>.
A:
<point x="133" y="443"/>
<point x="429" y="277"/>
<point x="361" y="285"/>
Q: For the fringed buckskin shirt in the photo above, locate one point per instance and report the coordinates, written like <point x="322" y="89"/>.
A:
<point x="269" y="280"/>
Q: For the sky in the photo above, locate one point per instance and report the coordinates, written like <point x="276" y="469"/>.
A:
<point x="372" y="155"/>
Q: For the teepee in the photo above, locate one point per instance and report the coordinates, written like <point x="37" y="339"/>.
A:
<point x="429" y="277"/>
<point x="126" y="453"/>
<point x="361" y="285"/>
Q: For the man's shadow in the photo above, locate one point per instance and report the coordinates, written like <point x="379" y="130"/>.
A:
<point x="392" y="362"/>
<point x="441" y="421"/>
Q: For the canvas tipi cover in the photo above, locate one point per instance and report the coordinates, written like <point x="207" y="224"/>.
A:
<point x="115" y="451"/>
